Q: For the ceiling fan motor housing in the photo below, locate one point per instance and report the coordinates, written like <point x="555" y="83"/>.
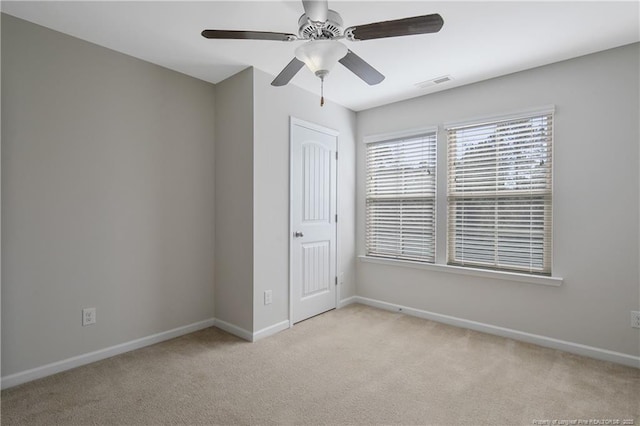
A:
<point x="329" y="29"/>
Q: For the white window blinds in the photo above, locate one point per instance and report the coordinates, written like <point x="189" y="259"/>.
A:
<point x="499" y="194"/>
<point x="400" y="198"/>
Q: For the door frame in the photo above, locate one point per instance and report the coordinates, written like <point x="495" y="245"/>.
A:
<point x="293" y="121"/>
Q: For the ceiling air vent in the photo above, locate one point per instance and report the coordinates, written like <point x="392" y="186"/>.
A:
<point x="434" y="81"/>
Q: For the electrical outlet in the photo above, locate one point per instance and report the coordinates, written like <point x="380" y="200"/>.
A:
<point x="341" y="278"/>
<point x="268" y="297"/>
<point x="88" y="316"/>
<point x="635" y="319"/>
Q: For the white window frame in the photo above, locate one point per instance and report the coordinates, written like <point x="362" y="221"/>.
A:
<point x="456" y="197"/>
<point x="400" y="136"/>
<point x="440" y="265"/>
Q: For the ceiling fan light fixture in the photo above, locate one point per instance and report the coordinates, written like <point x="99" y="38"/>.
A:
<point x="320" y="56"/>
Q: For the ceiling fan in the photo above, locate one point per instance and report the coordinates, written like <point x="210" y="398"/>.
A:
<point x="322" y="28"/>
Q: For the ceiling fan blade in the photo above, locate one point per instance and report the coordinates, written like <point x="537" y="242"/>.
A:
<point x="361" y="68"/>
<point x="400" y="27"/>
<point x="247" y="35"/>
<point x="316" y="10"/>
<point x="288" y="72"/>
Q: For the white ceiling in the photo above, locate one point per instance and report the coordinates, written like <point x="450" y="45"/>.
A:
<point x="479" y="39"/>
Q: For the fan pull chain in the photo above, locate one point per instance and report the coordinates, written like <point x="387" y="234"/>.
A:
<point x="321" y="91"/>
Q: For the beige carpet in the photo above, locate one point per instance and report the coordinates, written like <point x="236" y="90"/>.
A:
<point x="357" y="365"/>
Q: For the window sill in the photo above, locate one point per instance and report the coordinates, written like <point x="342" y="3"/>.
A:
<point x="483" y="273"/>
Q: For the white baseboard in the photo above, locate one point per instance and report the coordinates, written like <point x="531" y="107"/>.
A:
<point x="234" y="329"/>
<point x="347" y="301"/>
<point x="270" y="331"/>
<point x="76" y="361"/>
<point x="549" y="342"/>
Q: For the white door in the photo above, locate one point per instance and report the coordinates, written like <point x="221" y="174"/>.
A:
<point x="313" y="220"/>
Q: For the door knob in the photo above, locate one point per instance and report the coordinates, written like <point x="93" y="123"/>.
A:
<point x="298" y="234"/>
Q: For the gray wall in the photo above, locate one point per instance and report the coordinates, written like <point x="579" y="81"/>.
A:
<point x="273" y="108"/>
<point x="595" y="207"/>
<point x="107" y="197"/>
<point x="252" y="195"/>
<point x="108" y="185"/>
<point x="234" y="200"/>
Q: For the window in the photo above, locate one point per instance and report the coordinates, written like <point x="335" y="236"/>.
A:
<point x="499" y="194"/>
<point x="400" y="197"/>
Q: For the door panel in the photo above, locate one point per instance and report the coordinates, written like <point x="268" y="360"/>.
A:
<point x="317" y="169"/>
<point x="316" y="268"/>
<point x="313" y="226"/>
